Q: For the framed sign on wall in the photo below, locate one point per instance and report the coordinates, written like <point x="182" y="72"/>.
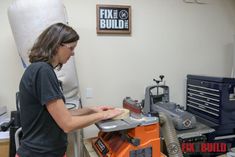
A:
<point x="113" y="19"/>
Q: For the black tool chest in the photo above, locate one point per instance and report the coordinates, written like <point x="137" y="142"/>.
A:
<point x="212" y="101"/>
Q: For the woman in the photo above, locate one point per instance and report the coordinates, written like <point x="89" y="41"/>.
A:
<point x="44" y="118"/>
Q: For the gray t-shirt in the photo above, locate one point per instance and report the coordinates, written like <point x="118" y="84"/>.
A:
<point x="42" y="137"/>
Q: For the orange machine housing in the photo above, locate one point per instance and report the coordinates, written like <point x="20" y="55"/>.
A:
<point x="112" y="144"/>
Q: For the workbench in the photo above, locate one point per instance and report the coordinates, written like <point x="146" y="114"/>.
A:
<point x="4" y="147"/>
<point x="88" y="149"/>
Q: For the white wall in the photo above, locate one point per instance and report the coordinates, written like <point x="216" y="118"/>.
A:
<point x="172" y="38"/>
<point x="168" y="37"/>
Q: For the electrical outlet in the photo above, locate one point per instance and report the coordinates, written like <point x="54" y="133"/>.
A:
<point x="89" y="93"/>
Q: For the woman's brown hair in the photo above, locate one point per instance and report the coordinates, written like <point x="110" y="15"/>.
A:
<point x="45" y="48"/>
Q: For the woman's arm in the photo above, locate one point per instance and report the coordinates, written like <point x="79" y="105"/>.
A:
<point x="68" y="123"/>
<point x="81" y="111"/>
<point x="90" y="110"/>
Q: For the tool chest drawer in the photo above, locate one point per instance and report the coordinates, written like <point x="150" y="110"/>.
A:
<point x="211" y="98"/>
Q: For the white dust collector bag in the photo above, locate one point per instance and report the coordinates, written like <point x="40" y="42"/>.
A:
<point x="28" y="18"/>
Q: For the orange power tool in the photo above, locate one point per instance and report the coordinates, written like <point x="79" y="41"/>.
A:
<point x="135" y="136"/>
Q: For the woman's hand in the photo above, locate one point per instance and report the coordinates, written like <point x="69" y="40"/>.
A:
<point x="102" y="108"/>
<point x="111" y="113"/>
